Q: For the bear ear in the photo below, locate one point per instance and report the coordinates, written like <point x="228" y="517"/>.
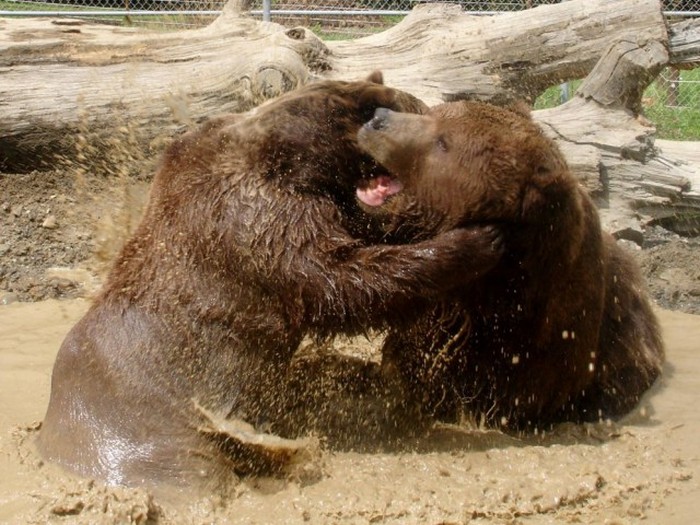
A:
<point x="520" y="107"/>
<point x="376" y="97"/>
<point x="376" y="77"/>
<point x="546" y="193"/>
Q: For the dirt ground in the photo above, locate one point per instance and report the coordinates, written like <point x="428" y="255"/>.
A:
<point x="59" y="228"/>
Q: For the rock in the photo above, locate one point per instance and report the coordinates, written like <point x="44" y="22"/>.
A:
<point x="635" y="235"/>
<point x="50" y="222"/>
<point x="8" y="298"/>
<point x="80" y="276"/>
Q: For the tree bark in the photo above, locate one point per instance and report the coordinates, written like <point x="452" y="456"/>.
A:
<point x="64" y="80"/>
<point x="610" y="146"/>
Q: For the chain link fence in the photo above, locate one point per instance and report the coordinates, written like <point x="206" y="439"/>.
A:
<point x="672" y="102"/>
<point x="353" y="18"/>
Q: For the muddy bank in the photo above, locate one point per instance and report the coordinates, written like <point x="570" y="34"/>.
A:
<point x="644" y="469"/>
<point x="58" y="231"/>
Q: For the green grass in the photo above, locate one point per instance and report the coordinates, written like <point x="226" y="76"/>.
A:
<point x="156" y="21"/>
<point x="673" y="122"/>
<point x="39" y="6"/>
<point x="350" y="32"/>
<point x="680" y="121"/>
<point x="329" y="34"/>
<point x="553" y="96"/>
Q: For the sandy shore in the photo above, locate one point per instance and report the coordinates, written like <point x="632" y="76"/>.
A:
<point x="645" y="469"/>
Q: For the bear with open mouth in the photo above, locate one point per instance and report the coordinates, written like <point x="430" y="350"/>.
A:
<point x="561" y="329"/>
<point x="251" y="240"/>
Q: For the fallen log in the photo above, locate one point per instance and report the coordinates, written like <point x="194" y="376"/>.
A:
<point x="64" y="80"/>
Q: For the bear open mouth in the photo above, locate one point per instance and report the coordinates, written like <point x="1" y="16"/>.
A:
<point x="375" y="192"/>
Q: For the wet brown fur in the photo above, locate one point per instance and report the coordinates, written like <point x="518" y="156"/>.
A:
<point x="562" y="328"/>
<point x="249" y="243"/>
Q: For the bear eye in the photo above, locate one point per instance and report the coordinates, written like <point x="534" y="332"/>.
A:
<point x="442" y="143"/>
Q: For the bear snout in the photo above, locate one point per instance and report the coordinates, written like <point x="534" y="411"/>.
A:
<point x="380" y="119"/>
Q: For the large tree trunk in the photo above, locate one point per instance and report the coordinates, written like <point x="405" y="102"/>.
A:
<point x="61" y="80"/>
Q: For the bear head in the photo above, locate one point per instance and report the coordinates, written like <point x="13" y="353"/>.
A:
<point x="466" y="162"/>
<point x="308" y="138"/>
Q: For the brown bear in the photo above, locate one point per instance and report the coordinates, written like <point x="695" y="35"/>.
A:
<point x="561" y="329"/>
<point x="249" y="243"/>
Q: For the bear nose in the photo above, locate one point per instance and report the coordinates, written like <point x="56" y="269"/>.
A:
<point x="381" y="117"/>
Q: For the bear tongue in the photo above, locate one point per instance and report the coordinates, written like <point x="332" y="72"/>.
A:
<point x="378" y="190"/>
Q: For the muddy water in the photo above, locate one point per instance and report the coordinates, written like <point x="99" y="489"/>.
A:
<point x="645" y="469"/>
